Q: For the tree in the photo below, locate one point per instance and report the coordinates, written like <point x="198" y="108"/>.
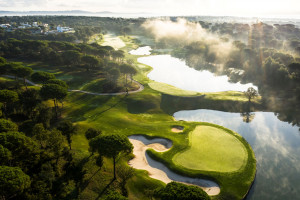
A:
<point x="125" y="69"/>
<point x="2" y="60"/>
<point x="114" y="195"/>
<point x="132" y="71"/>
<point x="40" y="134"/>
<point x="23" y="72"/>
<point x="25" y="151"/>
<point x="58" y="82"/>
<point x="13" y="181"/>
<point x="90" y="61"/>
<point x="125" y="31"/>
<point x="91" y="133"/>
<point x="67" y="129"/>
<point x="29" y="100"/>
<point x="115" y="74"/>
<point x="42" y="77"/>
<point x="56" y="144"/>
<point x="118" y="55"/>
<point x="55" y="92"/>
<point x="180" y="191"/>
<point x="7" y="97"/>
<point x="7" y="125"/>
<point x="71" y="57"/>
<point x="111" y="146"/>
<point x="251" y="93"/>
<point x="5" y="155"/>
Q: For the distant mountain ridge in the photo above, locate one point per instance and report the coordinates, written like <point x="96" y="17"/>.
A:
<point x="65" y="12"/>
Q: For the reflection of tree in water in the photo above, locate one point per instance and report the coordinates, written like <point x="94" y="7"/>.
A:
<point x="247" y="116"/>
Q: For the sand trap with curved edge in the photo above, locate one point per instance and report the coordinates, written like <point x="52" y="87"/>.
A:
<point x="158" y="170"/>
<point x="177" y="129"/>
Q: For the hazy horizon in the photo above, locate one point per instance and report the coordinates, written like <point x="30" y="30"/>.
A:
<point x="235" y="8"/>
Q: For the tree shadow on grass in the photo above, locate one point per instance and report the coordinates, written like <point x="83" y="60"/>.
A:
<point x="106" y="187"/>
<point x="110" y="107"/>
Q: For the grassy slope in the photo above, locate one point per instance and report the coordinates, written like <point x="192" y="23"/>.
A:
<point x="141" y="113"/>
<point x="226" y="154"/>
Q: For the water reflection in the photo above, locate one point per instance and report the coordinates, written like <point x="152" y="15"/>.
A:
<point x="276" y="147"/>
<point x="173" y="71"/>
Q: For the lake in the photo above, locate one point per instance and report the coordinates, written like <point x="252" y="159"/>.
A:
<point x="175" y="72"/>
<point x="275" y="144"/>
<point x="146" y="50"/>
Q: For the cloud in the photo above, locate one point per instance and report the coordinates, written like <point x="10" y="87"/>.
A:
<point x="183" y="32"/>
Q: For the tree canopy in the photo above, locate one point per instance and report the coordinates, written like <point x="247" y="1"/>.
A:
<point x="13" y="181"/>
<point x="7" y="125"/>
<point x="251" y="93"/>
<point x="180" y="191"/>
<point x="42" y="77"/>
<point x="111" y="146"/>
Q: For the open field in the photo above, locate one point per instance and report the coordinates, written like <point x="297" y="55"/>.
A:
<point x="226" y="154"/>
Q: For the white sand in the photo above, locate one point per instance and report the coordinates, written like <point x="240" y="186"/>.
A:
<point x="177" y="129"/>
<point x="114" y="41"/>
<point x="159" y="171"/>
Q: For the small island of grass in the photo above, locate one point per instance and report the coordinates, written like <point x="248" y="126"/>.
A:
<point x="212" y="149"/>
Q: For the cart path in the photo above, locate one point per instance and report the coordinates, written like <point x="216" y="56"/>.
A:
<point x="141" y="88"/>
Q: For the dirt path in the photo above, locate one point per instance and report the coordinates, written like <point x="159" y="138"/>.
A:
<point x="141" y="88"/>
<point x="158" y="170"/>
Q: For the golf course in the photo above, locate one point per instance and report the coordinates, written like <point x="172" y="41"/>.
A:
<point x="199" y="150"/>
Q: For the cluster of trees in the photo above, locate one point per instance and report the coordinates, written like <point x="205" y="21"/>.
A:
<point x="265" y="55"/>
<point x="35" y="160"/>
<point x="87" y="57"/>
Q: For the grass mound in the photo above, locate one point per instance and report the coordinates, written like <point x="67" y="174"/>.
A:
<point x="212" y="149"/>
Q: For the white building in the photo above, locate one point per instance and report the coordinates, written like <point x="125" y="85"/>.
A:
<point x="35" y="24"/>
<point x="61" y="29"/>
<point x="4" y="25"/>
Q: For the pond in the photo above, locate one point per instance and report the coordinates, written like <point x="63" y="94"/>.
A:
<point x="275" y="144"/>
<point x="175" y="72"/>
<point x="146" y="50"/>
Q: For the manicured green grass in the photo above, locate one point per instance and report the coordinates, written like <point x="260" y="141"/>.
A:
<point x="169" y="89"/>
<point x="226" y="95"/>
<point x="212" y="149"/>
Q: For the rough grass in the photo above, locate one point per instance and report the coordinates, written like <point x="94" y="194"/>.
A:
<point x="212" y="149"/>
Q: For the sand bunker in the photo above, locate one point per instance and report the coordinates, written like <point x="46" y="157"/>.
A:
<point x="158" y="170"/>
<point x="177" y="129"/>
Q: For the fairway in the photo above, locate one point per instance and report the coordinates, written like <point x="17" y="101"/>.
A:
<point x="212" y="149"/>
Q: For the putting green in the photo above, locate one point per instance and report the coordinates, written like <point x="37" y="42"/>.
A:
<point x="212" y="149"/>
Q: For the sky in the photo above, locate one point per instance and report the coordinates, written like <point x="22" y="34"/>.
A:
<point x="163" y="7"/>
